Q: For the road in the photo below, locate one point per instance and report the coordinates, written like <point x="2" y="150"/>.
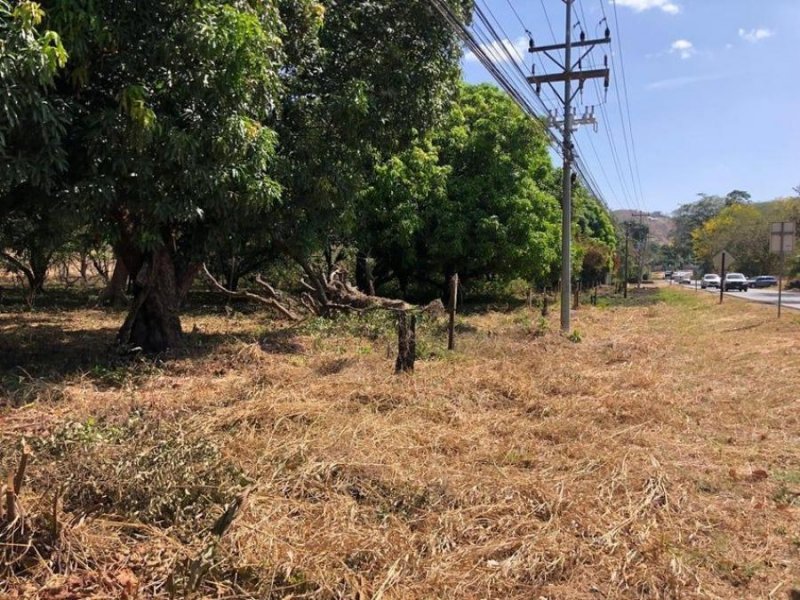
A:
<point x="791" y="299"/>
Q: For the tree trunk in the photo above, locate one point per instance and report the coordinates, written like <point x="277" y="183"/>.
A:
<point x="114" y="292"/>
<point x="364" y="280"/>
<point x="232" y="280"/>
<point x="153" y="323"/>
<point x="40" y="262"/>
<point x="406" y="342"/>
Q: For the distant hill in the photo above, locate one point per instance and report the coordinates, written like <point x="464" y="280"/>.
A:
<point x="661" y="226"/>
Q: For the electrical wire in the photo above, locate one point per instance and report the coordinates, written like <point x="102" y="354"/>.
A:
<point x="627" y="101"/>
<point x="484" y="42"/>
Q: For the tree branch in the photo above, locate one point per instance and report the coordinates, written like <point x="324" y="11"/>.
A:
<point x="244" y="295"/>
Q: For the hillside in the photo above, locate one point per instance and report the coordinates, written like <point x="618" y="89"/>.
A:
<point x="661" y="226"/>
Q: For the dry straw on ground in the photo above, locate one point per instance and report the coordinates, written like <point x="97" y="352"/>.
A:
<point x="656" y="458"/>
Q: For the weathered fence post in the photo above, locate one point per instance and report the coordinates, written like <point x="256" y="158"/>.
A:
<point x="545" y="304"/>
<point x="406" y="342"/>
<point x="451" y="309"/>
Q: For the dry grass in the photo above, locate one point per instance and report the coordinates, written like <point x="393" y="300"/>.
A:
<point x="657" y="458"/>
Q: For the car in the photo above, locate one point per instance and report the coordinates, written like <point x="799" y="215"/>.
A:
<point x="682" y="277"/>
<point x="710" y="280"/>
<point x="763" y="281"/>
<point x="667" y="274"/>
<point x="735" y="281"/>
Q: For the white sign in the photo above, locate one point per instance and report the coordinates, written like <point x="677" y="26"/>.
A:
<point x="782" y="237"/>
<point x="729" y="260"/>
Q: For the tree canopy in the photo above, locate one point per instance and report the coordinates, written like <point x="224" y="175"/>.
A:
<point x="253" y="132"/>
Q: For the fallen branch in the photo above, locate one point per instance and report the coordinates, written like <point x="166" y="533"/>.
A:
<point x="272" y="301"/>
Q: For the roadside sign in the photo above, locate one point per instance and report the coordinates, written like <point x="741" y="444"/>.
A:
<point x="723" y="260"/>
<point x="781" y="240"/>
<point x="782" y="237"/>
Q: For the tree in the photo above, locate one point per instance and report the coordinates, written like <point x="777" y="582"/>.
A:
<point x="32" y="128"/>
<point x="171" y="105"/>
<point x="465" y="200"/>
<point x="32" y="123"/>
<point x="742" y="230"/>
<point x="689" y="217"/>
<point x="737" y="197"/>
<point x="360" y="89"/>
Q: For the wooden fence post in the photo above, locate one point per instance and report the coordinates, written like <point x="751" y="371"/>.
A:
<point x="406" y="342"/>
<point x="451" y="309"/>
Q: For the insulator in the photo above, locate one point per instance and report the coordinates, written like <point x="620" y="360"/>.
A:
<point x="531" y="45"/>
<point x="533" y="69"/>
<point x="605" y="60"/>
<point x="608" y="33"/>
<point x="539" y="89"/>
<point x="583" y="36"/>
<point x="580" y="64"/>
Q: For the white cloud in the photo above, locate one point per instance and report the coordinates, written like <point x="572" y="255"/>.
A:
<point x="517" y="49"/>
<point x="684" y="48"/>
<point x="756" y="35"/>
<point x="679" y="82"/>
<point x="669" y="7"/>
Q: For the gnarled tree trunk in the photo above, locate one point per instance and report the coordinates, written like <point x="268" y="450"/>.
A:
<point x="153" y="323"/>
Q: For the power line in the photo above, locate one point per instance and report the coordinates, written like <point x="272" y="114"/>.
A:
<point x="605" y="124"/>
<point x="627" y="101"/>
<point x="480" y="43"/>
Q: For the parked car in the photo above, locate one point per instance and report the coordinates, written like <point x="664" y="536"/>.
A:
<point x="682" y="277"/>
<point x="735" y="281"/>
<point x="667" y="274"/>
<point x="763" y="281"/>
<point x="710" y="280"/>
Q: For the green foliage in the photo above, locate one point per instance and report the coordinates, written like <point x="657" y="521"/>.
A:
<point x="359" y="88"/>
<point x="177" y="132"/>
<point x="32" y="123"/>
<point x="465" y="199"/>
<point x="741" y="230"/>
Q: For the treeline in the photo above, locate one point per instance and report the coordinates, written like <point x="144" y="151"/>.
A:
<point x="734" y="223"/>
<point x="296" y="138"/>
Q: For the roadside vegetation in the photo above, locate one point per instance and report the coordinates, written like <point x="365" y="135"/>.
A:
<point x="213" y="216"/>
<point x="653" y="455"/>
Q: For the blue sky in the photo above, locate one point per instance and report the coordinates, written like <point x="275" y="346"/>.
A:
<point x="714" y="90"/>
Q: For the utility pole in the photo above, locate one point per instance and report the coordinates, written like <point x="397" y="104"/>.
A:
<point x="625" y="270"/>
<point x="570" y="71"/>
<point x="642" y="246"/>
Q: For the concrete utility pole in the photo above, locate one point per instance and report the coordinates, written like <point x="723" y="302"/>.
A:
<point x="570" y="71"/>
<point x="625" y="270"/>
<point x="642" y="246"/>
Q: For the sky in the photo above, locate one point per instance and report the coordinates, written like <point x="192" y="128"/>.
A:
<point x="713" y="89"/>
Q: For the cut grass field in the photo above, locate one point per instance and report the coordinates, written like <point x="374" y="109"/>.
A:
<point x="654" y="455"/>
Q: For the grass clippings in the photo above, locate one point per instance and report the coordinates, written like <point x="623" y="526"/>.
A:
<point x="657" y="458"/>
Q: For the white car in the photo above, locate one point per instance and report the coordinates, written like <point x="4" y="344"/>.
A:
<point x="735" y="281"/>
<point x="710" y="280"/>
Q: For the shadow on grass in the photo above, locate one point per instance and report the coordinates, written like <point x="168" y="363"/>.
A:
<point x="38" y="353"/>
<point x="636" y="298"/>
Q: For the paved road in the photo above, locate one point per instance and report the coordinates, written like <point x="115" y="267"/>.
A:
<point x="791" y="299"/>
